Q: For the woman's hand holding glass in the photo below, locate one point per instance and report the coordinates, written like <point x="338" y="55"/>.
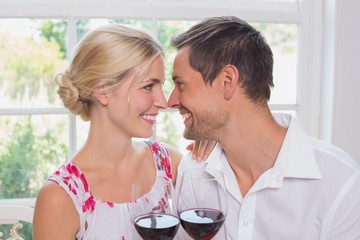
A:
<point x="151" y="209"/>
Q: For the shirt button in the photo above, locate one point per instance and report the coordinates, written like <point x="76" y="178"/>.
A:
<point x="245" y="223"/>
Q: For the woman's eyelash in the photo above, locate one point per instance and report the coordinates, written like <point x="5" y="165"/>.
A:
<point x="149" y="87"/>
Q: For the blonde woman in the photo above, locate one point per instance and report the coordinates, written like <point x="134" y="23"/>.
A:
<point x="115" y="81"/>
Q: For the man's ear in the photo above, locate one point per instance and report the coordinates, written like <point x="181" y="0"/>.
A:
<point x="101" y="96"/>
<point x="230" y="80"/>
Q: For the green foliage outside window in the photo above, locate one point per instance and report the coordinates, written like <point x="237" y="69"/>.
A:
<point x="27" y="69"/>
<point x="26" y="161"/>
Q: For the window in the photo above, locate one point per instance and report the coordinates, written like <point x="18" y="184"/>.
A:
<point x="37" y="37"/>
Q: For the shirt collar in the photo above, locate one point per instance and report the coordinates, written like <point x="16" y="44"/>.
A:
<point x="296" y="157"/>
<point x="215" y="158"/>
<point x="295" y="160"/>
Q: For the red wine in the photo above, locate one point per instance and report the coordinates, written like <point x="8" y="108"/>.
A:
<point x="157" y="226"/>
<point x="202" y="223"/>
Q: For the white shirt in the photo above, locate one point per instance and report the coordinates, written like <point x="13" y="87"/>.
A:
<point x="312" y="192"/>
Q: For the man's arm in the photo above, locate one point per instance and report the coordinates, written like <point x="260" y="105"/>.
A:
<point x="345" y="220"/>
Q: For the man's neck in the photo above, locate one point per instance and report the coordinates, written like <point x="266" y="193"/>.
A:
<point x="251" y="150"/>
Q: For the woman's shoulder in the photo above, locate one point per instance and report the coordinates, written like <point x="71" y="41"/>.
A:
<point x="53" y="194"/>
<point x="68" y="170"/>
<point x="72" y="181"/>
<point x="52" y="206"/>
<point x="53" y="200"/>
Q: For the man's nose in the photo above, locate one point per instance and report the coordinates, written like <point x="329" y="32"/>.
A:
<point x="174" y="101"/>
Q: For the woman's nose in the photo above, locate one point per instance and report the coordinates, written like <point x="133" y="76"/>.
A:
<point x="161" y="101"/>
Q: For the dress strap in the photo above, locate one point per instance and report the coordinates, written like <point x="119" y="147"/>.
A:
<point x="161" y="157"/>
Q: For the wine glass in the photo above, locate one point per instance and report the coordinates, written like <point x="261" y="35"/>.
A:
<point x="152" y="210"/>
<point x="202" y="204"/>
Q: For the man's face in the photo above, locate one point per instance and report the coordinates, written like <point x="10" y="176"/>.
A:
<point x="199" y="104"/>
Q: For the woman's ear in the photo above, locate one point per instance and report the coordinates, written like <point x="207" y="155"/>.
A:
<point x="101" y="96"/>
<point x="230" y="80"/>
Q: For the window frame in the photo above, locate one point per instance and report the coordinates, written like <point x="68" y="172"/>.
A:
<point x="305" y="13"/>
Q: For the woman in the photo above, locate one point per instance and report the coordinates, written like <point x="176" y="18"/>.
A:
<point x="114" y="80"/>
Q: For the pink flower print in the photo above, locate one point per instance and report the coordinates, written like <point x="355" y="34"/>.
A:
<point x="167" y="166"/>
<point x="162" y="160"/>
<point x="154" y="147"/>
<point x="72" y="169"/>
<point x="84" y="182"/>
<point x="89" y="205"/>
<point x="72" y="189"/>
<point x="110" y="204"/>
<point x="68" y="181"/>
<point x="162" y="205"/>
<point x="66" y="178"/>
<point x="166" y="193"/>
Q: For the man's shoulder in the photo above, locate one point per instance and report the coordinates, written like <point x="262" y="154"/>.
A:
<point x="330" y="155"/>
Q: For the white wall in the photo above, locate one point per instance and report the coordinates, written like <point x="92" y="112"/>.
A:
<point x="341" y="76"/>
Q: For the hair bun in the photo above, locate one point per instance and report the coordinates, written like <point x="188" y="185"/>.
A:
<point x="69" y="94"/>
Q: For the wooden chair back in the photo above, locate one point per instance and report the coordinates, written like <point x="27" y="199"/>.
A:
<point x="13" y="214"/>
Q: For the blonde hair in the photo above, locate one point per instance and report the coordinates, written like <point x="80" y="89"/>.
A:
<point x="104" y="57"/>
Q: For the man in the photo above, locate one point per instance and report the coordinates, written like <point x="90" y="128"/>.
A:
<point x="281" y="183"/>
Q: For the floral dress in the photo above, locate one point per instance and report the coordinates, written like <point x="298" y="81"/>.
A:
<point x="107" y="220"/>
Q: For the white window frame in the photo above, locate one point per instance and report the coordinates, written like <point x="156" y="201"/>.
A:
<point x="306" y="13"/>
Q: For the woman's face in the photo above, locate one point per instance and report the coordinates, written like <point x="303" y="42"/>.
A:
<point x="136" y="103"/>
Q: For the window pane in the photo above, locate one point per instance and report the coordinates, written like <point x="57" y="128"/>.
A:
<point x="85" y="25"/>
<point x="166" y="30"/>
<point x="170" y="128"/>
<point x="82" y="130"/>
<point x="32" y="51"/>
<point x="32" y="147"/>
<point x="291" y="112"/>
<point x="282" y="39"/>
<point x="274" y="1"/>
